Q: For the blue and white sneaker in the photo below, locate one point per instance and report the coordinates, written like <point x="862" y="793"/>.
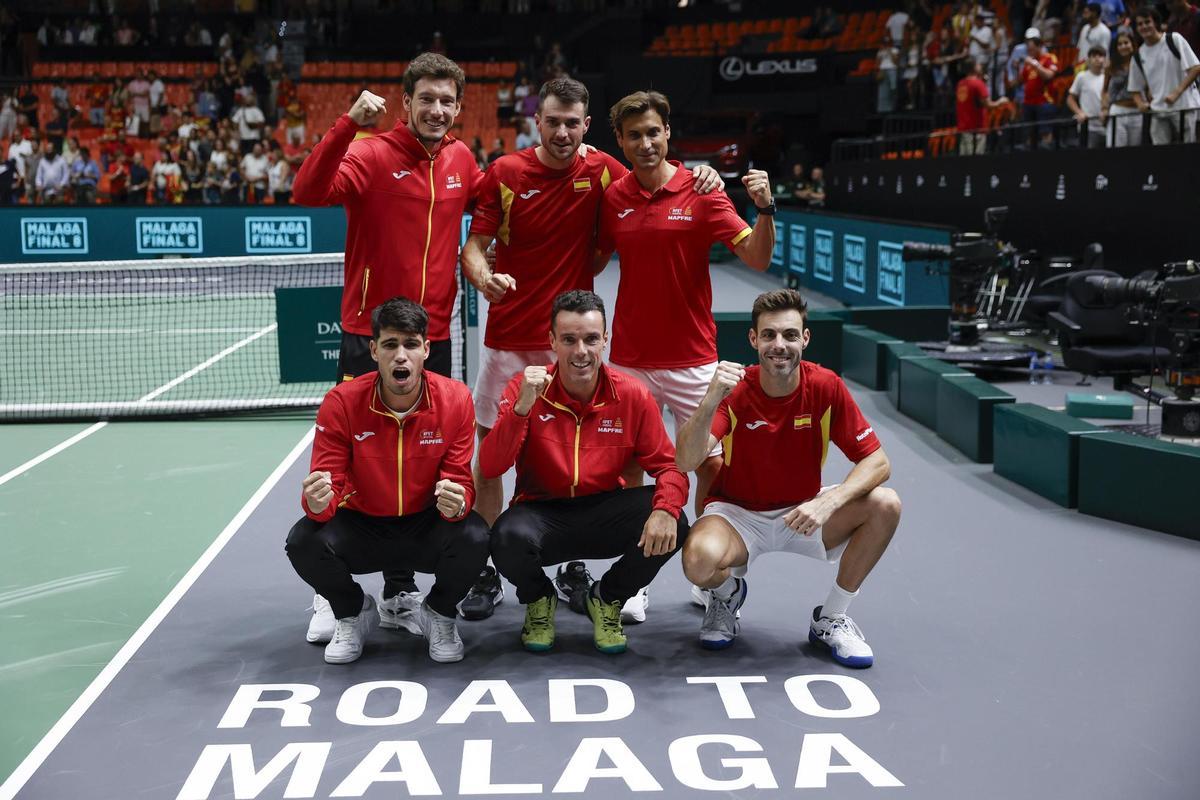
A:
<point x="721" y="626"/>
<point x="845" y="641"/>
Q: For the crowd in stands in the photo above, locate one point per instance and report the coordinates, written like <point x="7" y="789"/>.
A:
<point x="1097" y="64"/>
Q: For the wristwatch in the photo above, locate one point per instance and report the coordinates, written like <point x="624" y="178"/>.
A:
<point x="769" y="210"/>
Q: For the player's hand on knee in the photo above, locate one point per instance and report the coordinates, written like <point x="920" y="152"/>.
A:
<point x="728" y="375"/>
<point x="367" y="108"/>
<point x="451" y="498"/>
<point x="498" y="285"/>
<point x="706" y="179"/>
<point x="318" y="490"/>
<point x="533" y="382"/>
<point x="658" y="534"/>
<point x="758" y="185"/>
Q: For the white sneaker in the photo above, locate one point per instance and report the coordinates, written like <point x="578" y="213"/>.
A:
<point x="401" y="611"/>
<point x="700" y="596"/>
<point x="349" y="635"/>
<point x="320" y="627"/>
<point x="843" y="638"/>
<point x="720" y="626"/>
<point x="635" y="607"/>
<point x="445" y="645"/>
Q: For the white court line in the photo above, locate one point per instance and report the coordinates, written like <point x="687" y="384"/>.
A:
<point x="53" y="451"/>
<point x="79" y="437"/>
<point x="54" y="737"/>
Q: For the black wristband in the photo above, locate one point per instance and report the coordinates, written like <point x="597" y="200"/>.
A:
<point x="768" y="211"/>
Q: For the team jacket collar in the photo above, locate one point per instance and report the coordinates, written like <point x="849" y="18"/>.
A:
<point x="424" y="403"/>
<point x="409" y="141"/>
<point x="556" y="395"/>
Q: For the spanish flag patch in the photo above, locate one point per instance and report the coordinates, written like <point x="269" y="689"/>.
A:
<point x="582" y="185"/>
<point x="804" y="421"/>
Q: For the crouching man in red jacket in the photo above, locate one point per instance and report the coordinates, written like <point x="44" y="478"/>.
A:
<point x="570" y="428"/>
<point x="391" y="487"/>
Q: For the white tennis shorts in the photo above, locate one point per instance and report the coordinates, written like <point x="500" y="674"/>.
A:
<point x="496" y="369"/>
<point x="680" y="390"/>
<point x="766" y="532"/>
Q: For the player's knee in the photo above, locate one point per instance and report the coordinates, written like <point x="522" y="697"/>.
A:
<point x="512" y="535"/>
<point x="886" y="503"/>
<point x="475" y="534"/>
<point x="701" y="556"/>
<point x="305" y="537"/>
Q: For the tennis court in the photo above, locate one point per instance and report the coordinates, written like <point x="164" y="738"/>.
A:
<point x="1022" y="650"/>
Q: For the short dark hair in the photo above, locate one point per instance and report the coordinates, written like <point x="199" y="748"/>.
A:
<point x="399" y="314"/>
<point x="436" y="66"/>
<point x="577" y="301"/>
<point x="636" y="104"/>
<point x="778" y="300"/>
<point x="568" y="90"/>
<point x="1151" y="13"/>
<point x="1097" y="50"/>
<point x="1094" y="8"/>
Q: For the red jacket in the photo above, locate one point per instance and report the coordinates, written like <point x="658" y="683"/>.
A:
<point x="385" y="467"/>
<point x="564" y="448"/>
<point x="404" y="212"/>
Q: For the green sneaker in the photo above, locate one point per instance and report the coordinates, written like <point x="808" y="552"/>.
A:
<point x="608" y="634"/>
<point x="538" y="633"/>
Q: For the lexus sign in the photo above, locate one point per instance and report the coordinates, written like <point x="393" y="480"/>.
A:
<point x="762" y="74"/>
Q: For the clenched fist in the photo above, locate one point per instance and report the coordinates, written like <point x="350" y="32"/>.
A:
<point x="451" y="498"/>
<point x="533" y="382"/>
<point x="759" y="186"/>
<point x="728" y="375"/>
<point x="318" y="491"/>
<point x="367" y="108"/>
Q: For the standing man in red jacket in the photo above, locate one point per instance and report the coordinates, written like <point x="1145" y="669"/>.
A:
<point x="571" y="428"/>
<point x="404" y="192"/>
<point x="391" y="487"/>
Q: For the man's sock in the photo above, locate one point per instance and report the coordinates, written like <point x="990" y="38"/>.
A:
<point x="838" y="601"/>
<point x="726" y="589"/>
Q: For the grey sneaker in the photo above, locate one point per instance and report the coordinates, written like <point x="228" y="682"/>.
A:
<point x="349" y="635"/>
<point x="721" y="626"/>
<point x="320" y="627"/>
<point x="401" y="611"/>
<point x="445" y="645"/>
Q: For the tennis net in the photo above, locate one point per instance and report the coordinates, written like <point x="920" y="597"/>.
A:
<point x="170" y="337"/>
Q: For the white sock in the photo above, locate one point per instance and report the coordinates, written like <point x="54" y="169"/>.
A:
<point x="726" y="589"/>
<point x="838" y="601"/>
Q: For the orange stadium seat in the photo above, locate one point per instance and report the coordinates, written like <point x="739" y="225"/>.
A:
<point x="41" y="69"/>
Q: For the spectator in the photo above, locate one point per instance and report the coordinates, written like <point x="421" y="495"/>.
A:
<point x="88" y="33"/>
<point x="280" y="179"/>
<point x="139" y="95"/>
<point x="158" y="92"/>
<point x="207" y="105"/>
<point x="813" y="192"/>
<point x="27" y="104"/>
<point x="1116" y="101"/>
<point x="20" y="149"/>
<point x="496" y="151"/>
<point x="10" y="181"/>
<point x="254" y="169"/>
<point x="8" y="115"/>
<point x="56" y="127"/>
<point x="60" y="98"/>
<point x="1111" y="11"/>
<point x="1093" y="34"/>
<point x="896" y="24"/>
<point x="53" y="177"/>
<point x="85" y="177"/>
<point x="886" y="76"/>
<point x="139" y="179"/>
<point x="910" y="69"/>
<point x="981" y="42"/>
<point x="505" y="101"/>
<point x="97" y="97"/>
<point x="1184" y="18"/>
<point x="972" y="98"/>
<point x="213" y="178"/>
<point x="789" y="190"/>
<point x="118" y="179"/>
<point x="70" y="149"/>
<point x="187" y="127"/>
<point x="32" y="162"/>
<point x="231" y="186"/>
<point x="294" y="122"/>
<point x="125" y="35"/>
<point x="250" y="122"/>
<point x="168" y="179"/>
<point x="827" y="24"/>
<point x="1169" y="75"/>
<point x="1038" y="69"/>
<point x="193" y="178"/>
<point x="1085" y="102"/>
<point x="527" y="135"/>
